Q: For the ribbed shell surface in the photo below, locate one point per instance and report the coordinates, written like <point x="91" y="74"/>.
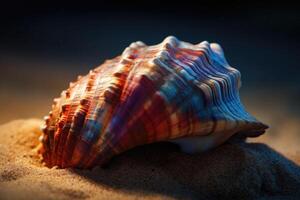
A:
<point x="148" y="94"/>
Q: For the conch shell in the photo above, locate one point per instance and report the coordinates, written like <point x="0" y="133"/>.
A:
<point x="174" y="91"/>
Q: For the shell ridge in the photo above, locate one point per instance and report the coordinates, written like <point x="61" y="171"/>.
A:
<point x="224" y="79"/>
<point x="129" y="69"/>
<point x="79" y="120"/>
<point x="120" y="75"/>
<point x="63" y="133"/>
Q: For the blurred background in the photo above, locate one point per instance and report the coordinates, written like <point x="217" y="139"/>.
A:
<point x="45" y="45"/>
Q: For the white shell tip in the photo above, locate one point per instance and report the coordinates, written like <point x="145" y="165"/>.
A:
<point x="171" y="40"/>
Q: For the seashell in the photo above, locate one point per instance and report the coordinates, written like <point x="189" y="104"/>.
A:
<point x="174" y="91"/>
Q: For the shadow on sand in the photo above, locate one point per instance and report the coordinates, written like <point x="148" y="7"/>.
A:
<point x="233" y="170"/>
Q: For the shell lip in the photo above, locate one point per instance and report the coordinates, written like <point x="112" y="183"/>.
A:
<point x="259" y="130"/>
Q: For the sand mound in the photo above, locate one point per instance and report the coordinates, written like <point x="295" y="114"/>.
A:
<point x="157" y="171"/>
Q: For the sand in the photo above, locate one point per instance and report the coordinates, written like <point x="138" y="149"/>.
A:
<point x="156" y="171"/>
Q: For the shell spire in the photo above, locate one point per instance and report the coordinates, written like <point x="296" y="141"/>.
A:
<point x="174" y="91"/>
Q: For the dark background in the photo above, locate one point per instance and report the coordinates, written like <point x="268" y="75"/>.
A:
<point x="44" y="45"/>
